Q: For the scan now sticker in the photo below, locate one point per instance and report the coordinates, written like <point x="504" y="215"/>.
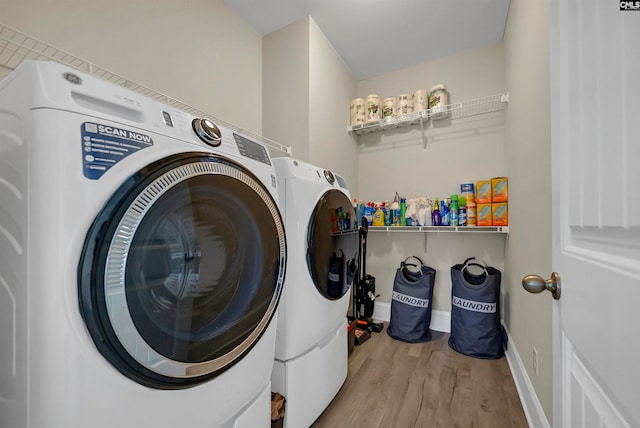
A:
<point x="629" y="5"/>
<point x="103" y="146"/>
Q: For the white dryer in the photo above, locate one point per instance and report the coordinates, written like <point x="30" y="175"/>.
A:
<point x="322" y="241"/>
<point x="142" y="256"/>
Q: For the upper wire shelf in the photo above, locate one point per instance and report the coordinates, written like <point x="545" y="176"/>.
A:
<point x="454" y="111"/>
<point x="16" y="47"/>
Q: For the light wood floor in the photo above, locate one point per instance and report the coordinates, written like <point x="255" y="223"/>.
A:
<point x="395" y="384"/>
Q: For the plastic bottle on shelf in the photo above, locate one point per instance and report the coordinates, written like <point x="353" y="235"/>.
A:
<point x="462" y="212"/>
<point x="453" y="211"/>
<point x="403" y="212"/>
<point x="395" y="214"/>
<point x="387" y="213"/>
<point x="444" y="212"/>
<point x="471" y="213"/>
<point x="340" y="218"/>
<point x="358" y="207"/>
<point x="378" y="217"/>
<point x="368" y="212"/>
<point x="428" y="215"/>
<point x="333" y="219"/>
<point x="436" y="213"/>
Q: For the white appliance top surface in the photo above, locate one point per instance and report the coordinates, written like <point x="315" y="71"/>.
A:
<point x="59" y="87"/>
<point x="290" y="168"/>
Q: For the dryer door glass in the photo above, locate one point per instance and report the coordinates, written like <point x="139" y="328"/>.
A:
<point x="332" y="250"/>
<point x="189" y="271"/>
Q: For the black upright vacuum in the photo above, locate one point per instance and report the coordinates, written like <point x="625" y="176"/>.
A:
<point x="365" y="291"/>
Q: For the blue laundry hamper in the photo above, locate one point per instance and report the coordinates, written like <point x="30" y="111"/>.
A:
<point x="475" y="310"/>
<point x="411" y="301"/>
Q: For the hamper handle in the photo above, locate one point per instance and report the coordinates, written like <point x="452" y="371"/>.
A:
<point x="404" y="264"/>
<point x="474" y="261"/>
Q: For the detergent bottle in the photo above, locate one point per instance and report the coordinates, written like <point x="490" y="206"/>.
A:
<point x="387" y="213"/>
<point x="369" y="210"/>
<point x="378" y="217"/>
<point x="436" y="213"/>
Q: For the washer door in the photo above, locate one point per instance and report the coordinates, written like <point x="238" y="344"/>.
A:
<point x="332" y="250"/>
<point x="182" y="270"/>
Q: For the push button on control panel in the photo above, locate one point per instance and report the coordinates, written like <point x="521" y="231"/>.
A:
<point x="167" y="118"/>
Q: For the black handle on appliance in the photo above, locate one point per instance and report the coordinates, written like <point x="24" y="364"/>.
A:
<point x="364" y="229"/>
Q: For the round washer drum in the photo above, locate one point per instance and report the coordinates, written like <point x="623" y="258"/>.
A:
<point x="182" y="270"/>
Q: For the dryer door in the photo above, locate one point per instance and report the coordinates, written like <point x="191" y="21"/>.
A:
<point x="182" y="270"/>
<point x="332" y="250"/>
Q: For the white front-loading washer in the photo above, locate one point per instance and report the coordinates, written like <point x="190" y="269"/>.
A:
<point x="142" y="257"/>
<point x="322" y="241"/>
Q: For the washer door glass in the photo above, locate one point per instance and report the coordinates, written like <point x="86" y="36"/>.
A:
<point x="332" y="250"/>
<point x="182" y="271"/>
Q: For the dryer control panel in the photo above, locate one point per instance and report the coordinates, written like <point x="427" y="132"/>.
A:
<point x="251" y="149"/>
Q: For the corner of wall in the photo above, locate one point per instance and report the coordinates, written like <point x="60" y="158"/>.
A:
<point x="285" y="87"/>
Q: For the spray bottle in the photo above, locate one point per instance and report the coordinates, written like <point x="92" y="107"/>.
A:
<point x="436" y="213"/>
<point x="453" y="210"/>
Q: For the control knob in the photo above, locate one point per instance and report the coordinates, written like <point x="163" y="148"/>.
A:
<point x="328" y="175"/>
<point x="207" y="131"/>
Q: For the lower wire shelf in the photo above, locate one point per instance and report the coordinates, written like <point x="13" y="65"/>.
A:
<point x="442" y="229"/>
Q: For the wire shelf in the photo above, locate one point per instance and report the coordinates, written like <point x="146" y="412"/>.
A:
<point x="16" y="47"/>
<point x="443" y="229"/>
<point x="453" y="111"/>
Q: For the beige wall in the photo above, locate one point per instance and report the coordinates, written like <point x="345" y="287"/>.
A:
<point x="197" y="51"/>
<point x="528" y="157"/>
<point x="306" y="94"/>
<point x="331" y="88"/>
<point x="456" y="152"/>
<point x="285" y="87"/>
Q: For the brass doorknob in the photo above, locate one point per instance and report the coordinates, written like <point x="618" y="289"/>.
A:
<point x="537" y="284"/>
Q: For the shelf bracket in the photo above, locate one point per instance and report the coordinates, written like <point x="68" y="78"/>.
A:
<point x="424" y="141"/>
<point x="425" y="243"/>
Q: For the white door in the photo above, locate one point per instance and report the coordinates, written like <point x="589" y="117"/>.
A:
<point x="595" y="114"/>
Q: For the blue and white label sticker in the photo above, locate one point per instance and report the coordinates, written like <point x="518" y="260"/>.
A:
<point x="410" y="300"/>
<point x="470" y="305"/>
<point x="103" y="146"/>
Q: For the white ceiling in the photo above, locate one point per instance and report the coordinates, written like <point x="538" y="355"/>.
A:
<point x="374" y="37"/>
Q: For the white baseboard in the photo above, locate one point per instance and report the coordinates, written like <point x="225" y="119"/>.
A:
<point x="440" y="320"/>
<point x="382" y="311"/>
<point x="528" y="397"/>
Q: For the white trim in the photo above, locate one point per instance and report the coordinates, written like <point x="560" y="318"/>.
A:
<point x="530" y="403"/>
<point x="382" y="311"/>
<point x="440" y="320"/>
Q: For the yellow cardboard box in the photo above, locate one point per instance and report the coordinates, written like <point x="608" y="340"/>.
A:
<point x="484" y="215"/>
<point x="483" y="192"/>
<point x="499" y="186"/>
<point x="500" y="212"/>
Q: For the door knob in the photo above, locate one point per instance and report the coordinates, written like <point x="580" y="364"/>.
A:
<point x="537" y="284"/>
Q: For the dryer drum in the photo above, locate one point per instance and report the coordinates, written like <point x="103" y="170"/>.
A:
<point x="182" y="270"/>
